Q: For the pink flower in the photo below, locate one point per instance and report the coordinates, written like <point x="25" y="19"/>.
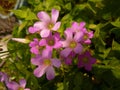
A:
<point x="87" y="36"/>
<point x="69" y="58"/>
<point x="15" y="86"/>
<point x="52" y="41"/>
<point x="3" y="77"/>
<point x="34" y="46"/>
<point x="45" y="65"/>
<point x="36" y="28"/>
<point x="85" y="60"/>
<point x="77" y="28"/>
<point x="47" y="24"/>
<point x="81" y="32"/>
<point x="71" y="44"/>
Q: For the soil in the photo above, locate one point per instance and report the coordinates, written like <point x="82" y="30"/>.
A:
<point x="6" y="25"/>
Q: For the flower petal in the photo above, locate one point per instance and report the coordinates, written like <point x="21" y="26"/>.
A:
<point x="47" y="53"/>
<point x="36" y="60"/>
<point x="92" y="60"/>
<point x="34" y="43"/>
<point x="33" y="30"/>
<point x="74" y="26"/>
<point x="88" y="67"/>
<point x="78" y="49"/>
<point x="26" y="89"/>
<point x="65" y="52"/>
<point x="12" y="85"/>
<point x="58" y="44"/>
<point x="82" y="24"/>
<point x="80" y="64"/>
<point x="56" y="36"/>
<point x="78" y="36"/>
<point x="45" y="33"/>
<point x="56" y="26"/>
<point x="65" y="43"/>
<point x="40" y="70"/>
<point x="50" y="73"/>
<point x="3" y="77"/>
<point x="69" y="34"/>
<point x="68" y="61"/>
<point x="88" y="41"/>
<point x="34" y="50"/>
<point x="43" y="16"/>
<point x="56" y="62"/>
<point x="22" y="83"/>
<point x="42" y="42"/>
<point x="90" y="34"/>
<point x="40" y="25"/>
<point x="55" y="14"/>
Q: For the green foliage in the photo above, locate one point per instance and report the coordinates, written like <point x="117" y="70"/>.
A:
<point x="101" y="16"/>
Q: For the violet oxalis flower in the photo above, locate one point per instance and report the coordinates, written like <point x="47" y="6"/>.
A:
<point x="15" y="86"/>
<point x="81" y="32"/>
<point x="78" y="28"/>
<point x="45" y="65"/>
<point x="36" y="28"/>
<point x="3" y="77"/>
<point x="87" y="36"/>
<point x="34" y="46"/>
<point x="52" y="41"/>
<point x="85" y="60"/>
<point x="48" y="24"/>
<point x="71" y="44"/>
<point x="69" y="58"/>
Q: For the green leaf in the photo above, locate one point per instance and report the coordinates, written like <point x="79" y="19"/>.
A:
<point x="116" y="33"/>
<point x="20" y="13"/>
<point x="115" y="45"/>
<point x="78" y="81"/>
<point x="116" y="72"/>
<point x="22" y="25"/>
<point x="91" y="8"/>
<point x="68" y="6"/>
<point x="31" y="15"/>
<point x="95" y="1"/>
<point x="33" y="82"/>
<point x="116" y="23"/>
<point x="66" y="17"/>
<point x="59" y="86"/>
<point x="49" y="4"/>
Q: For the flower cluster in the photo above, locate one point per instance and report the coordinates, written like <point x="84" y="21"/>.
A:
<point x="12" y="85"/>
<point x="76" y="39"/>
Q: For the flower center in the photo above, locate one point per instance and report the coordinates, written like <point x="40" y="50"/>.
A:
<point x="85" y="36"/>
<point x="50" y="26"/>
<point x="50" y="42"/>
<point x="20" y="88"/>
<point x="47" y="62"/>
<point x="85" y="60"/>
<point x="73" y="44"/>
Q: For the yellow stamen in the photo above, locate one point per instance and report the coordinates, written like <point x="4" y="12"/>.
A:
<point x="73" y="44"/>
<point x="50" y="26"/>
<point x="47" y="62"/>
<point x="85" y="37"/>
<point x="51" y="42"/>
<point x="85" y="60"/>
<point x="20" y="88"/>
